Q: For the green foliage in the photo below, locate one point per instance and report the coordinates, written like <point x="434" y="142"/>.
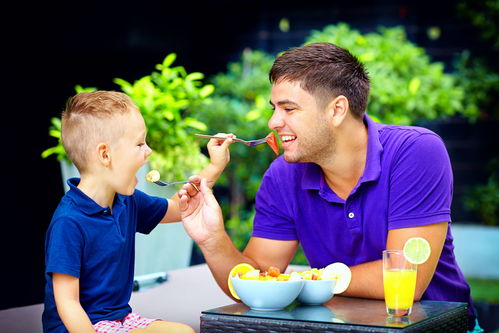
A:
<point x="240" y="106"/>
<point x="406" y="86"/>
<point x="485" y="16"/>
<point x="169" y="99"/>
<point x="480" y="83"/>
<point x="484" y="290"/>
<point x="484" y="199"/>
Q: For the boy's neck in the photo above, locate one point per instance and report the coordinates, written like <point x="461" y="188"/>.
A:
<point x="97" y="190"/>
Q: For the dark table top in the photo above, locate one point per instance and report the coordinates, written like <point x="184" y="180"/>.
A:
<point x="345" y="310"/>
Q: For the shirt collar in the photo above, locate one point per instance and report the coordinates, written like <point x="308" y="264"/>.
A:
<point x="313" y="178"/>
<point x="84" y="202"/>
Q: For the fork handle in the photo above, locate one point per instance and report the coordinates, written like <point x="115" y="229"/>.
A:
<point x="218" y="137"/>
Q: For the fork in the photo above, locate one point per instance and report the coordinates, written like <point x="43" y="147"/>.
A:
<point x="249" y="143"/>
<point x="162" y="183"/>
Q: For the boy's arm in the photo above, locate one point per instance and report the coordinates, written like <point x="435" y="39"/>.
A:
<point x="219" y="157"/>
<point x="67" y="299"/>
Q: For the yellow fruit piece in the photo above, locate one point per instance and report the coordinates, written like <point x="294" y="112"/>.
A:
<point x="152" y="176"/>
<point x="417" y="250"/>
<point x="239" y="269"/>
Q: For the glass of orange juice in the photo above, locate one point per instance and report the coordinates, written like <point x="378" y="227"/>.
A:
<point x="399" y="281"/>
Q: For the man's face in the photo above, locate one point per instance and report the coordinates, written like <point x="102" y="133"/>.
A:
<point x="301" y="124"/>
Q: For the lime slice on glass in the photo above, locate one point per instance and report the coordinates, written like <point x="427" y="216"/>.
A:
<point x="417" y="250"/>
<point x="239" y="269"/>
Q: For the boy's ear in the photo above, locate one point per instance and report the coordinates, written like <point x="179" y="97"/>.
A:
<point x="104" y="154"/>
<point x="338" y="109"/>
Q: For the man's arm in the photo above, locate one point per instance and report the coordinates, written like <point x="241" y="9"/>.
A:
<point x="367" y="278"/>
<point x="219" y="157"/>
<point x="66" y="294"/>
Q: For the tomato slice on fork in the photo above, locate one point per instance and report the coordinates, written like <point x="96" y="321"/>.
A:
<point x="272" y="142"/>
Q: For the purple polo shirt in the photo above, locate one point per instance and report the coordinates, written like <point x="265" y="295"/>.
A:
<point x="407" y="182"/>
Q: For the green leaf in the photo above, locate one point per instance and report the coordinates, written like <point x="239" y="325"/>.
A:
<point x="253" y="114"/>
<point x="206" y="91"/>
<point x="194" y="76"/>
<point x="191" y="122"/>
<point x="414" y="85"/>
<point x="169" y="59"/>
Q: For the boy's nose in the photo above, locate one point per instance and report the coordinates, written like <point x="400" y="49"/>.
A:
<point x="148" y="150"/>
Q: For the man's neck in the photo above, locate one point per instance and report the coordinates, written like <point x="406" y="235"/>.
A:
<point x="343" y="172"/>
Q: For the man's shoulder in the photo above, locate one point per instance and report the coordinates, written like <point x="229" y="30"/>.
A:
<point x="404" y="130"/>
<point x="403" y="135"/>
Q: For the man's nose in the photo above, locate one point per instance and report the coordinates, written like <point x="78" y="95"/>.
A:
<point x="275" y="122"/>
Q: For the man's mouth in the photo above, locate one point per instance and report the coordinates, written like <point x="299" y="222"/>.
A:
<point x="286" y="139"/>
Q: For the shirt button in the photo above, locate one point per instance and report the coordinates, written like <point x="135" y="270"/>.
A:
<point x="351" y="215"/>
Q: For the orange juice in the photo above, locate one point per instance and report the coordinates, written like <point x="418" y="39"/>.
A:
<point x="400" y="285"/>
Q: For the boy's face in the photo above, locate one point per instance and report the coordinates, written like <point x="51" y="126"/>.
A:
<point x="129" y="153"/>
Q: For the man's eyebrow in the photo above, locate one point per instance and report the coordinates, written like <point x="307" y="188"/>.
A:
<point x="284" y="102"/>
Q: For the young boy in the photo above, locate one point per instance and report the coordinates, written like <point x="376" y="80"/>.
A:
<point x="90" y="240"/>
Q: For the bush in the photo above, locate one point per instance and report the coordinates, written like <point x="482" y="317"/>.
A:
<point x="406" y="86"/>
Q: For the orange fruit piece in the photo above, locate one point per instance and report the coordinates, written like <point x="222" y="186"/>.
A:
<point x="238" y="270"/>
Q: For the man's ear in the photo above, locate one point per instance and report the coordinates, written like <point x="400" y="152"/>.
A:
<point x="103" y="154"/>
<point x="338" y="110"/>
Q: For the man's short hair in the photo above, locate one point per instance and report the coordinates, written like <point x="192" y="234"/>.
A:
<point x="326" y="71"/>
<point x="90" y="117"/>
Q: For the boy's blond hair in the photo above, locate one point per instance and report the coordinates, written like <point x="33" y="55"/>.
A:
<point x="90" y="118"/>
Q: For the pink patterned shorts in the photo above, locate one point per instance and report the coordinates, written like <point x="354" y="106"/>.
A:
<point x="130" y="322"/>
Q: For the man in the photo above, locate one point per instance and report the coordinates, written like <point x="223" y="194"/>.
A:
<point x="346" y="188"/>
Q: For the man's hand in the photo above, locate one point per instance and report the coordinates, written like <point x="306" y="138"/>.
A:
<point x="201" y="213"/>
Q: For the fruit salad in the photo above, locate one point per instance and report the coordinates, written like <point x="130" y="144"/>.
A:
<point x="272" y="274"/>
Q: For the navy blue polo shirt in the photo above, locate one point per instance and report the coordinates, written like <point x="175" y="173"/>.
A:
<point x="87" y="241"/>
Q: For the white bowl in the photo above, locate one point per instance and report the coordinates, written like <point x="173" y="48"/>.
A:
<point x="316" y="292"/>
<point x="267" y="295"/>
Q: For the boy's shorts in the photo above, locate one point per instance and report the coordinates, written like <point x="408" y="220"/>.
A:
<point x="125" y="325"/>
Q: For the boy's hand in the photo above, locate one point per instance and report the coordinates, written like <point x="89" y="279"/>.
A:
<point x="219" y="150"/>
<point x="201" y="213"/>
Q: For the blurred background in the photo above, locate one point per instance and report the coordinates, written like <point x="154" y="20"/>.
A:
<point x="202" y="68"/>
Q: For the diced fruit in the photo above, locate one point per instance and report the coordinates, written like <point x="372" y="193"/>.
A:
<point x="417" y="250"/>
<point x="283" y="277"/>
<point x="274" y="271"/>
<point x="253" y="274"/>
<point x="341" y="272"/>
<point x="238" y="270"/>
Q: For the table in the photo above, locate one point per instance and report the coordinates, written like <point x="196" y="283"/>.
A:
<point x="190" y="292"/>
<point x="341" y="314"/>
